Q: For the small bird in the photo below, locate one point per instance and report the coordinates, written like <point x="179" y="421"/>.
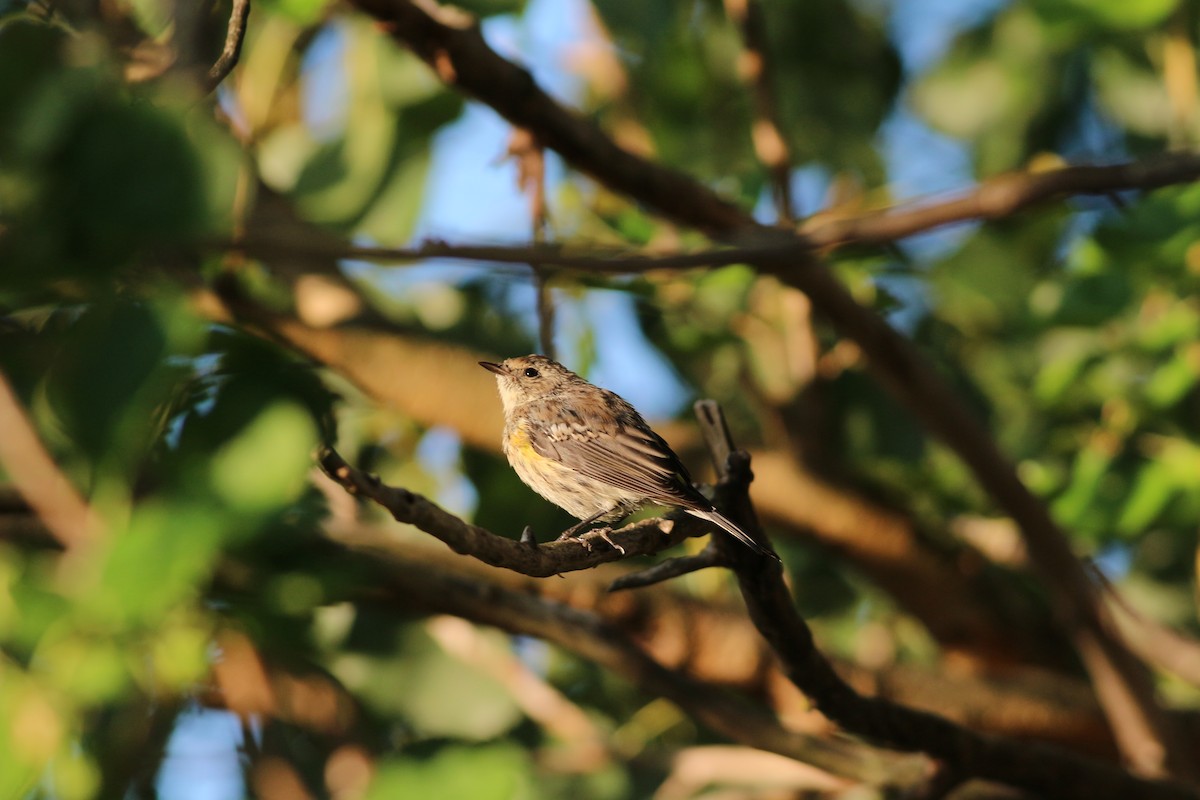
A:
<point x="588" y="451"/>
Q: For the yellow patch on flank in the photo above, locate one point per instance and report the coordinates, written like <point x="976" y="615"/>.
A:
<point x="519" y="442"/>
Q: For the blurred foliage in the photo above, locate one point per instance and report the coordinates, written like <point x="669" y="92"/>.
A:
<point x="1073" y="330"/>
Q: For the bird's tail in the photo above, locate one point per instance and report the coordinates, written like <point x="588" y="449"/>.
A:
<point x="725" y="524"/>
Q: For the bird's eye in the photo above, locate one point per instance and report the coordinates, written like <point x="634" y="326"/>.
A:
<point x="530" y="372"/>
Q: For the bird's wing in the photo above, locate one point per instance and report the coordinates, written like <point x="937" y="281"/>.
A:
<point x="624" y="453"/>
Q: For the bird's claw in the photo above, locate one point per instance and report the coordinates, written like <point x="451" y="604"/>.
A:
<point x="603" y="534"/>
<point x="586" y="541"/>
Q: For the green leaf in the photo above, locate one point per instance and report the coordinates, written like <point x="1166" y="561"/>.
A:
<point x="301" y="12"/>
<point x="157" y="562"/>
<point x="98" y="375"/>
<point x="492" y="772"/>
<point x="266" y="465"/>
<point x="445" y="697"/>
<point x="1171" y="382"/>
<point x="1091" y="465"/>
<point x="1117" y="15"/>
<point x="1152" y="490"/>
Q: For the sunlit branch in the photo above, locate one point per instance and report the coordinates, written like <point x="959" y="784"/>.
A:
<point x="235" y="34"/>
<point x="451" y="43"/>
<point x="1000" y="197"/>
<point x="641" y="538"/>
<point x="883" y="543"/>
<point x="33" y="472"/>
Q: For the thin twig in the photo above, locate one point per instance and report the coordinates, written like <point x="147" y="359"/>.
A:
<point x="452" y="44"/>
<point x="553" y="558"/>
<point x="545" y="310"/>
<point x="767" y="132"/>
<point x="1002" y="196"/>
<point x="417" y="584"/>
<point x="553" y="255"/>
<point x="1040" y="769"/>
<point x="881" y="542"/>
<point x="531" y="178"/>
<point x="235" y="34"/>
<point x="671" y="568"/>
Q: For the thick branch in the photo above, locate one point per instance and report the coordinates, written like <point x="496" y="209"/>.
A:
<point x="453" y="46"/>
<point x="989" y="621"/>
<point x="416" y="583"/>
<point x="591" y="549"/>
<point x="1037" y="768"/>
<point x="1034" y="768"/>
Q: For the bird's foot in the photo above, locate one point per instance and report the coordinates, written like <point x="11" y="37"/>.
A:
<point x="577" y="532"/>
<point x="571" y="533"/>
<point x="603" y="533"/>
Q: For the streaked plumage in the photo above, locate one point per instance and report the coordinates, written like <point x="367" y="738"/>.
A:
<point x="588" y="451"/>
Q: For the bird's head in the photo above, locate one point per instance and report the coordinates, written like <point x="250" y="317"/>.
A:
<point x="528" y="378"/>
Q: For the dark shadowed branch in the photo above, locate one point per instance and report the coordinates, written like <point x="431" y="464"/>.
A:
<point x="671" y="568"/>
<point x="416" y="583"/>
<point x="553" y="558"/>
<point x="1035" y="768"/>
<point x="755" y="66"/>
<point x="451" y="43"/>
<point x="1032" y="767"/>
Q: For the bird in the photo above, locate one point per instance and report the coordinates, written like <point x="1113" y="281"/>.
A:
<point x="589" y="452"/>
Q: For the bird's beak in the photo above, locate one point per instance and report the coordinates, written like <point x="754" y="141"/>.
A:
<point x="496" y="368"/>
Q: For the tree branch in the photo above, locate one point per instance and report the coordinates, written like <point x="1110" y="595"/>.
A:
<point x="666" y="570"/>
<point x="999" y="197"/>
<point x="1032" y="767"/>
<point x="235" y="34"/>
<point x="770" y="145"/>
<point x="31" y="469"/>
<point x="451" y="43"/>
<point x="553" y="558"/>
<point x="1035" y="768"/>
<point x="991" y="621"/>
<point x="415" y="583"/>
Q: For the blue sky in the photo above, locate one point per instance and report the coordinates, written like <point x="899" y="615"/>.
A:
<point x="473" y="198"/>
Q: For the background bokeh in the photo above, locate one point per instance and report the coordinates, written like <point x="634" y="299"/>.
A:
<point x="210" y="637"/>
